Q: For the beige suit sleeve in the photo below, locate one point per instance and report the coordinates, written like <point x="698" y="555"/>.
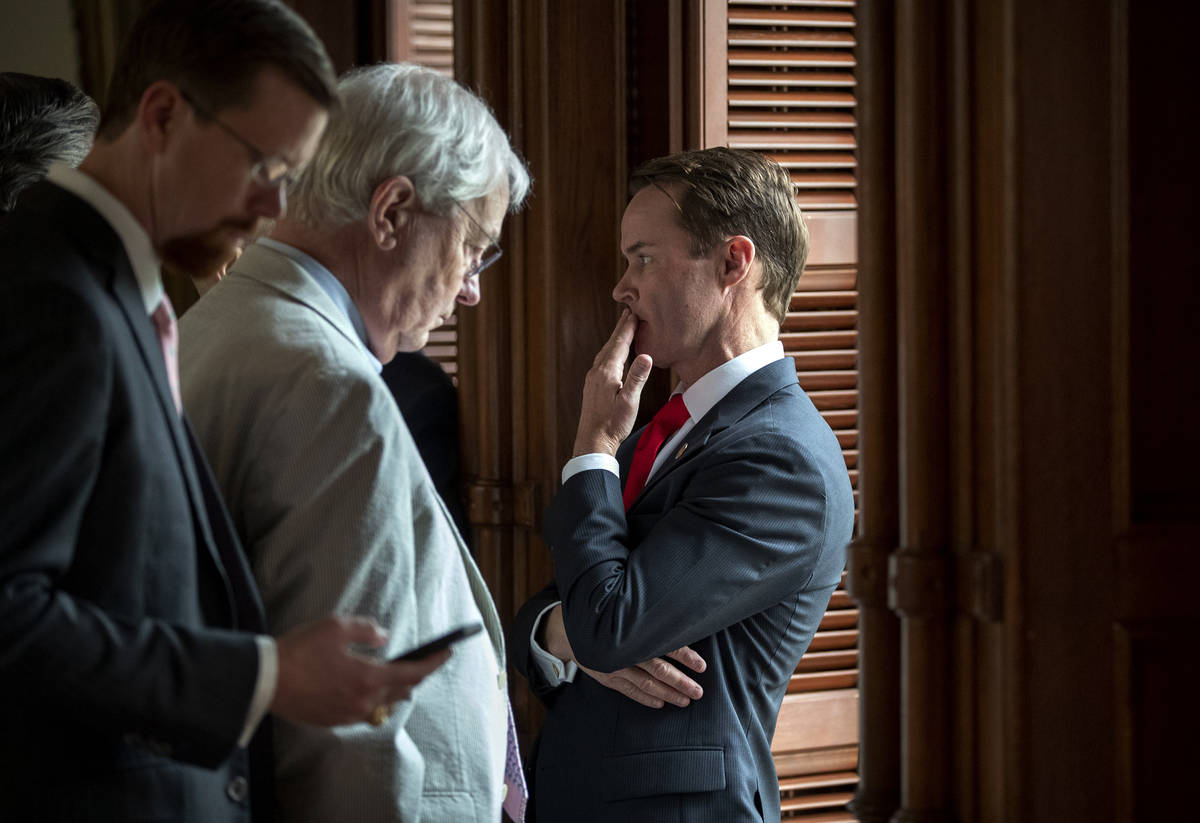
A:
<point x="333" y="526"/>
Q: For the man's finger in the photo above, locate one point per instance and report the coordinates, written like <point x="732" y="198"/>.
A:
<point x="618" y="343"/>
<point x="619" y="681"/>
<point x="631" y="690"/>
<point x="635" y="381"/>
<point x="689" y="658"/>
<point x="664" y="690"/>
<point x="670" y="682"/>
<point x="361" y="630"/>
<point x="404" y="674"/>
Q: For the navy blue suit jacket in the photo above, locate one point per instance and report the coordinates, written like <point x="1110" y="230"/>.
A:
<point x="733" y="548"/>
<point x="126" y="662"/>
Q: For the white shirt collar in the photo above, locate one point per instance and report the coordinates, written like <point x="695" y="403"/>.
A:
<point x="331" y="286"/>
<point x="699" y="398"/>
<point x="706" y="392"/>
<point x="145" y="263"/>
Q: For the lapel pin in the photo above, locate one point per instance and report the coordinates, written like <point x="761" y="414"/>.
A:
<point x="682" y="449"/>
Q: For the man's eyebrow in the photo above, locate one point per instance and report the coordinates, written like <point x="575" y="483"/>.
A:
<point x="636" y="247"/>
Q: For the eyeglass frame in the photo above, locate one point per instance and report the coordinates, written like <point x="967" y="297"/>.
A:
<point x="260" y="171"/>
<point x="495" y="241"/>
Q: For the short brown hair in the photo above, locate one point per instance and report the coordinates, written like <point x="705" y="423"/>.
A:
<point x="727" y="192"/>
<point x="214" y="49"/>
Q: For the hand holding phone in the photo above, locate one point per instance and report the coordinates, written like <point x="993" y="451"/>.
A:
<point x="437" y="644"/>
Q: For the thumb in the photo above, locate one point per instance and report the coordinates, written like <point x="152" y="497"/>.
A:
<point x="362" y="630"/>
<point x="635" y="380"/>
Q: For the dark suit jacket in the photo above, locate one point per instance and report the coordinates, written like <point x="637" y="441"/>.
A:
<point x="428" y="401"/>
<point x="733" y="548"/>
<point x="126" y="670"/>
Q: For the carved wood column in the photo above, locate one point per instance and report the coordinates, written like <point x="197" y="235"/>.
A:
<point x="488" y="361"/>
<point x="555" y="75"/>
<point x="920" y="580"/>
<point x="878" y="792"/>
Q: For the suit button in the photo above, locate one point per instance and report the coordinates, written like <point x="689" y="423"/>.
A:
<point x="237" y="789"/>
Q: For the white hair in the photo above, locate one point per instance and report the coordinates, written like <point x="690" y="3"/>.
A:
<point x="403" y="119"/>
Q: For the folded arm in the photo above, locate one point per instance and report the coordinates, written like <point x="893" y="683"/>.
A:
<point x="747" y="532"/>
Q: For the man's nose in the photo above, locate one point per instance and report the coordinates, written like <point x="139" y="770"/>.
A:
<point x="269" y="201"/>
<point x="623" y="291"/>
<point x="468" y="295"/>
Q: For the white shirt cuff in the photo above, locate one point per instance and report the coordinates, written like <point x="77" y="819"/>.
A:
<point x="264" y="688"/>
<point x="554" y="670"/>
<point x="590" y="461"/>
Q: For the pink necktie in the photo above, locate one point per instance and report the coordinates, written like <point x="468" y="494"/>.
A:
<point x="168" y="338"/>
<point x="669" y="418"/>
<point x="516" y="794"/>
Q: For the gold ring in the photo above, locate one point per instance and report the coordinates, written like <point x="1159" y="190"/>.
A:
<point x="379" y="715"/>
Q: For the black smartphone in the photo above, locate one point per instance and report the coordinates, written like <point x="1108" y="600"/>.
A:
<point x="426" y="649"/>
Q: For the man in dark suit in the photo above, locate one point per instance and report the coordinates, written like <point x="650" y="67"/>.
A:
<point x="134" y="670"/>
<point x="712" y="538"/>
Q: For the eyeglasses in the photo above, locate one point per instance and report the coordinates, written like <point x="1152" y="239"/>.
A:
<point x="270" y="172"/>
<point x="490" y="254"/>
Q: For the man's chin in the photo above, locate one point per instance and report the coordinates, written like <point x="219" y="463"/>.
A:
<point x="202" y="255"/>
<point x="414" y="341"/>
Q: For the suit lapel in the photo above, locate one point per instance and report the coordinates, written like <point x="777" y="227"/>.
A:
<point x="129" y="298"/>
<point x="96" y="240"/>
<point x="269" y="267"/>
<point x="249" y="613"/>
<point x="743" y="398"/>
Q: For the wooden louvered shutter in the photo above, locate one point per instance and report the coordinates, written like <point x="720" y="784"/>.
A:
<point x="788" y="86"/>
<point x="422" y="31"/>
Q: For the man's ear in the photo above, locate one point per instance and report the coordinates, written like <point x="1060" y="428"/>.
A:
<point x="739" y="257"/>
<point x="159" y="113"/>
<point x="393" y="206"/>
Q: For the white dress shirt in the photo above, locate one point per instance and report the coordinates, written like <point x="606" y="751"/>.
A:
<point x="148" y="272"/>
<point x="699" y="398"/>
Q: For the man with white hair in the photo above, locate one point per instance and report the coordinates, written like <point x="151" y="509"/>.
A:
<point x="389" y="227"/>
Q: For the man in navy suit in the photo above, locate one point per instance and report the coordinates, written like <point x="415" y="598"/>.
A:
<point x="134" y="666"/>
<point x="715" y="548"/>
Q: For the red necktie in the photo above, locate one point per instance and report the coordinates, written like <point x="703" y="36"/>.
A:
<point x="669" y="418"/>
<point x="168" y="337"/>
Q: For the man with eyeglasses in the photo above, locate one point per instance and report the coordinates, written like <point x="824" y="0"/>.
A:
<point x="391" y="225"/>
<point x="136" y="666"/>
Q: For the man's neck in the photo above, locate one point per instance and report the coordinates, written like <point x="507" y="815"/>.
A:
<point x="734" y="340"/>
<point x="332" y="249"/>
<point x="126" y="177"/>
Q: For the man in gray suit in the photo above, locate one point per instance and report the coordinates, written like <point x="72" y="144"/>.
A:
<point x="390" y="226"/>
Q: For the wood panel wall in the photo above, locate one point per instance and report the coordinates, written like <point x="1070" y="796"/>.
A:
<point x="1027" y="568"/>
<point x="1028" y="171"/>
<point x="554" y="73"/>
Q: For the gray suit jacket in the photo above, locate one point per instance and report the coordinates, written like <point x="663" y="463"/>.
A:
<point x="338" y="514"/>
